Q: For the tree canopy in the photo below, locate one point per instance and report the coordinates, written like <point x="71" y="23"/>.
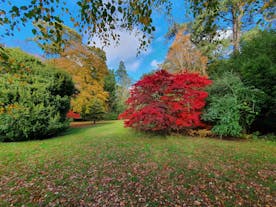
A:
<point x="184" y="55"/>
<point x="34" y="98"/>
<point x="96" y="17"/>
<point x="88" y="71"/>
<point x="164" y="102"/>
<point x="87" y="66"/>
<point x="213" y="18"/>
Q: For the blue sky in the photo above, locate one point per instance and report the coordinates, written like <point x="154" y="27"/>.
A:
<point x="126" y="50"/>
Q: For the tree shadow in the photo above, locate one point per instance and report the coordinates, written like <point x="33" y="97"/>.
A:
<point x="83" y="126"/>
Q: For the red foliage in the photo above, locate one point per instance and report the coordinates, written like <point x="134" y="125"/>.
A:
<point x="166" y="102"/>
<point x="73" y="115"/>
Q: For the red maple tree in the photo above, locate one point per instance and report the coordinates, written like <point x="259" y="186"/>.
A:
<point x="164" y="102"/>
<point x="73" y="115"/>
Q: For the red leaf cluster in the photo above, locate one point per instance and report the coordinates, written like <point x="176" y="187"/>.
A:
<point x="73" y="115"/>
<point x="165" y="102"/>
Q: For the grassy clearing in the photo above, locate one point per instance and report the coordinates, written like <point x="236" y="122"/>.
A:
<point x="109" y="165"/>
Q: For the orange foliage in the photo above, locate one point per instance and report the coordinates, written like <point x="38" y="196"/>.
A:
<point x="184" y="56"/>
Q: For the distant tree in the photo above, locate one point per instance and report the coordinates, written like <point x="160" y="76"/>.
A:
<point x="184" y="55"/>
<point x="123" y="86"/>
<point x="94" y="111"/>
<point x="110" y="87"/>
<point x="122" y="76"/>
<point x="73" y="115"/>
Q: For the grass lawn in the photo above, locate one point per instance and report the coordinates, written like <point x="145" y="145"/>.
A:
<point x="108" y="165"/>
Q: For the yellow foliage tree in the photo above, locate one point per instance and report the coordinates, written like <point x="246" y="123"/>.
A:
<point x="87" y="66"/>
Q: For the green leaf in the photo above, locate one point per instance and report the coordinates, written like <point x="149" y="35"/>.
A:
<point x="34" y="31"/>
<point x="23" y="8"/>
<point x="113" y="9"/>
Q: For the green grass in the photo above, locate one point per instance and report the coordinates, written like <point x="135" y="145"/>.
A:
<point x="109" y="165"/>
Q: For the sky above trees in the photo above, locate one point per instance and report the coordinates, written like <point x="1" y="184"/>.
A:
<point x="126" y="50"/>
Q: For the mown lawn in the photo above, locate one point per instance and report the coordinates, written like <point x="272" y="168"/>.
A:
<point x="108" y="165"/>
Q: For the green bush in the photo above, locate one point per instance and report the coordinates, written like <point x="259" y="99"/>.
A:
<point x="34" y="99"/>
<point x="232" y="106"/>
<point x="111" y="116"/>
<point x="256" y="65"/>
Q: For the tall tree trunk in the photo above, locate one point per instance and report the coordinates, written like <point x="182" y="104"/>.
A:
<point x="237" y="14"/>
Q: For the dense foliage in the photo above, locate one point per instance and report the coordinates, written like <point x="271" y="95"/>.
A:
<point x="256" y="67"/>
<point x="164" y="102"/>
<point x="88" y="70"/>
<point x="232" y="106"/>
<point x="238" y="102"/>
<point x="34" y="98"/>
<point x="256" y="64"/>
<point x="95" y="110"/>
<point x="110" y="86"/>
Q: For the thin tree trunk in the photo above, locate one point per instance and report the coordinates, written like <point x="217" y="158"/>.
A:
<point x="237" y="14"/>
<point x="235" y="30"/>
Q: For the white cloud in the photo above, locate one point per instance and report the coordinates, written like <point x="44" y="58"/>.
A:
<point x="224" y="34"/>
<point x="126" y="50"/>
<point x="155" y="63"/>
<point x="221" y="49"/>
<point x="133" y="66"/>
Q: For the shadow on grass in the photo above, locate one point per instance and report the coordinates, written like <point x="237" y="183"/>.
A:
<point x="160" y="136"/>
<point x="69" y="131"/>
<point x="77" y="127"/>
<point x="149" y="135"/>
<point x="84" y="124"/>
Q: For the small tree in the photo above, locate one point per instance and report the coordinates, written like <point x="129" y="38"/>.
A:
<point x="164" y="102"/>
<point x="95" y="111"/>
